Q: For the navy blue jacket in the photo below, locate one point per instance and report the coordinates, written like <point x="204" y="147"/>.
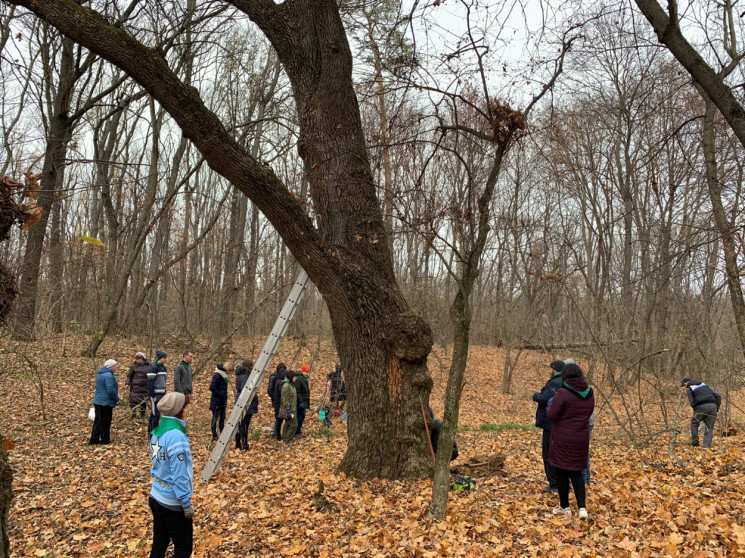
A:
<point x="241" y="378"/>
<point x="542" y="397"/>
<point x="219" y="389"/>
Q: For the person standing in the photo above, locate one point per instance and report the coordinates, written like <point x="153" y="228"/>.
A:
<point x="156" y="386"/>
<point x="219" y="399"/>
<point x="172" y="474"/>
<point x="303" y="397"/>
<point x="288" y="406"/>
<point x="182" y="376"/>
<point x="104" y="400"/>
<point x="705" y="402"/>
<point x="274" y="391"/>
<point x="569" y="412"/>
<point x="242" y="371"/>
<point x="542" y="398"/>
<point x="137" y="384"/>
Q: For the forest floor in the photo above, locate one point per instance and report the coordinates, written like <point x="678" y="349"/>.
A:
<point x="72" y="499"/>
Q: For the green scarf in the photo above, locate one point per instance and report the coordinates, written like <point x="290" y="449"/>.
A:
<point x="166" y="424"/>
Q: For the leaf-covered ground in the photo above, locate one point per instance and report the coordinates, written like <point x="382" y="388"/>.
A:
<point x="72" y="499"/>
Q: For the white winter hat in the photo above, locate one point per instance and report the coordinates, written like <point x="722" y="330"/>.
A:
<point x="109" y="363"/>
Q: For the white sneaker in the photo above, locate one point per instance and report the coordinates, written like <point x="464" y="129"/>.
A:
<point x="558" y="510"/>
<point x="583" y="513"/>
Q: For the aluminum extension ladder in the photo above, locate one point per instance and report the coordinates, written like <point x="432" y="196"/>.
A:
<point x="257" y="375"/>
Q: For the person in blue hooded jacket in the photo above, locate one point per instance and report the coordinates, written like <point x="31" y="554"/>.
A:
<point x="104" y="401"/>
<point x="172" y="473"/>
<point x="542" y="398"/>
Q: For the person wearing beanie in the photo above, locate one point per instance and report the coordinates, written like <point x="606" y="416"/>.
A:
<point x="242" y="370"/>
<point x="288" y="407"/>
<point x="706" y="403"/>
<point x="182" y="375"/>
<point x="156" y="386"/>
<point x="569" y="412"/>
<point x="303" y="397"/>
<point x="274" y="391"/>
<point x="172" y="480"/>
<point x="104" y="400"/>
<point x="542" y="398"/>
<point x="137" y="384"/>
<point x="219" y="399"/>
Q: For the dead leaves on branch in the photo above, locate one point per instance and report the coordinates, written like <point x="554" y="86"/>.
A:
<point x="28" y="211"/>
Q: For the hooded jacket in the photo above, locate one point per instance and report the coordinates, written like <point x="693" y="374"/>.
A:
<point x="219" y="389"/>
<point x="107" y="388"/>
<point x="570" y="413"/>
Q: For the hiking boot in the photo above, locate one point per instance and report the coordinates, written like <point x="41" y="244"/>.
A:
<point x="246" y="447"/>
<point x="550" y="489"/>
<point x="558" y="510"/>
<point x="694" y="444"/>
<point x="583" y="513"/>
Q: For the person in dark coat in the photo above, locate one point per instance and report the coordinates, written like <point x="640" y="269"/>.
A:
<point x="274" y="391"/>
<point x="137" y="384"/>
<point x="434" y="435"/>
<point x="303" y="397"/>
<point x="569" y="412"/>
<point x="156" y="386"/>
<point x="542" y="397"/>
<point x="706" y="403"/>
<point x="242" y="370"/>
<point x="104" y="401"/>
<point x="219" y="399"/>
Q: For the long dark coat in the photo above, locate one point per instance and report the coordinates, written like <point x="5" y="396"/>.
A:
<point x="570" y="413"/>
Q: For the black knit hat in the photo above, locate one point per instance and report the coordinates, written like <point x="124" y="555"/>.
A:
<point x="684" y="381"/>
<point x="160" y="353"/>
<point x="557" y="365"/>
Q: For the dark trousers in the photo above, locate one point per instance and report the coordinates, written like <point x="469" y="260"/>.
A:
<point x="218" y="419"/>
<point x="706" y="414"/>
<point x="101" y="433"/>
<point x="277" y="433"/>
<point x="169" y="525"/>
<point x="562" y="483"/>
<point x="154" y="419"/>
<point x="241" y="437"/>
<point x="300" y="420"/>
<point x="547" y="467"/>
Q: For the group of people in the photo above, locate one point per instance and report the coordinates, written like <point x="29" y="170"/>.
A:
<point x="566" y="414"/>
<point x="289" y="392"/>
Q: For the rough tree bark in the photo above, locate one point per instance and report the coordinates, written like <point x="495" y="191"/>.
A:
<point x="382" y="344"/>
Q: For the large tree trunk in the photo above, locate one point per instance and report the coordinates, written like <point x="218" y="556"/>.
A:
<point x="60" y="131"/>
<point x="6" y="495"/>
<point x="383" y="346"/>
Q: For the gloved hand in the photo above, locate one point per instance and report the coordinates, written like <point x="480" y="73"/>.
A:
<point x="189" y="512"/>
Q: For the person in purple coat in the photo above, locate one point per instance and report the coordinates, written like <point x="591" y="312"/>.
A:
<point x="569" y="411"/>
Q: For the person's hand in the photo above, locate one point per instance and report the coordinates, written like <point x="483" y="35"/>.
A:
<point x="189" y="511"/>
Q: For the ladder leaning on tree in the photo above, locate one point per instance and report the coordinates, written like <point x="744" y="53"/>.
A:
<point x="257" y="375"/>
